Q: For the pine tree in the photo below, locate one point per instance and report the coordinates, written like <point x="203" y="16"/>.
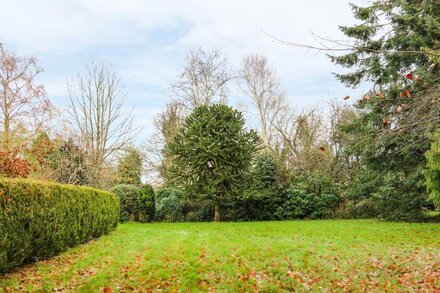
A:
<point x="213" y="153"/>
<point x="395" y="46"/>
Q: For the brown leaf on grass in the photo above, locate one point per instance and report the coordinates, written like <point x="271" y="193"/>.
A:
<point x="107" y="289"/>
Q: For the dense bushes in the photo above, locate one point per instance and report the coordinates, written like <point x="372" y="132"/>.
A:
<point x="147" y="206"/>
<point x="282" y="205"/>
<point x="301" y="205"/>
<point x="39" y="220"/>
<point x="137" y="204"/>
<point x="276" y="204"/>
<point x="169" y="204"/>
<point x="270" y="196"/>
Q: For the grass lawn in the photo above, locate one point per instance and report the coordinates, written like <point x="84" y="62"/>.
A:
<point x="350" y="255"/>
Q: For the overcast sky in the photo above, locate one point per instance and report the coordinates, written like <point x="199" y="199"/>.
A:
<point x="146" y="42"/>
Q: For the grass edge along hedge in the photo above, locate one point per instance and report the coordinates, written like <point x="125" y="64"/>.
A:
<point x="42" y="219"/>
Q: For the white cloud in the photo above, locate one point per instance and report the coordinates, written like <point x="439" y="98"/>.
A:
<point x="146" y="40"/>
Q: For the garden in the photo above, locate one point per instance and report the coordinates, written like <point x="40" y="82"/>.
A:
<point x="235" y="188"/>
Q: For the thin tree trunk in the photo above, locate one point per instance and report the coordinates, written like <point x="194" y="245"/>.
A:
<point x="6" y="131"/>
<point x="217" y="217"/>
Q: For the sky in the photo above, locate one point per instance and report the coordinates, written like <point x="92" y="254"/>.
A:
<point x="146" y="42"/>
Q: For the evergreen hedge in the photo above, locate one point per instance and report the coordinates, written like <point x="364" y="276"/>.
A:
<point x="41" y="219"/>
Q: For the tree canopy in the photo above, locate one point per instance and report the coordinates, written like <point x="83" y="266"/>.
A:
<point x="213" y="153"/>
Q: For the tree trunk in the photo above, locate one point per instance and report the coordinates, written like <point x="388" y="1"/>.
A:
<point x="217" y="211"/>
<point x="6" y="126"/>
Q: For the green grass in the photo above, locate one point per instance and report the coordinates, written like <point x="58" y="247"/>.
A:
<point x="350" y="255"/>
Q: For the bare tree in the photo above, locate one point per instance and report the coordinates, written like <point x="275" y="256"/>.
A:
<point x="261" y="84"/>
<point x="302" y="139"/>
<point x="203" y="79"/>
<point x="97" y="111"/>
<point x="22" y="101"/>
<point x="167" y="123"/>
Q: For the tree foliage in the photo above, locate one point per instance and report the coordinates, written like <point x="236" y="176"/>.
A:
<point x="396" y="118"/>
<point x="129" y="168"/>
<point x="433" y="172"/>
<point x="213" y="153"/>
<point x="13" y="164"/>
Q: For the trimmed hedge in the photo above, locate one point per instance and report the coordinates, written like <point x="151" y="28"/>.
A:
<point x="41" y="219"/>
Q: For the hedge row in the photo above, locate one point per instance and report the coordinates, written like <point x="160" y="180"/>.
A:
<point x="40" y="219"/>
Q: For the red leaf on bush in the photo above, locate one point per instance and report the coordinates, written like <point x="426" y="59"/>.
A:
<point x="379" y="94"/>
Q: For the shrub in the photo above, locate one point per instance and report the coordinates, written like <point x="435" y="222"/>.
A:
<point x="137" y="204"/>
<point x="197" y="210"/>
<point x="128" y="198"/>
<point x="301" y="205"/>
<point x="169" y="204"/>
<point x="40" y="219"/>
<point x="255" y="205"/>
<point x="147" y="206"/>
<point x="266" y="193"/>
<point x="13" y="164"/>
